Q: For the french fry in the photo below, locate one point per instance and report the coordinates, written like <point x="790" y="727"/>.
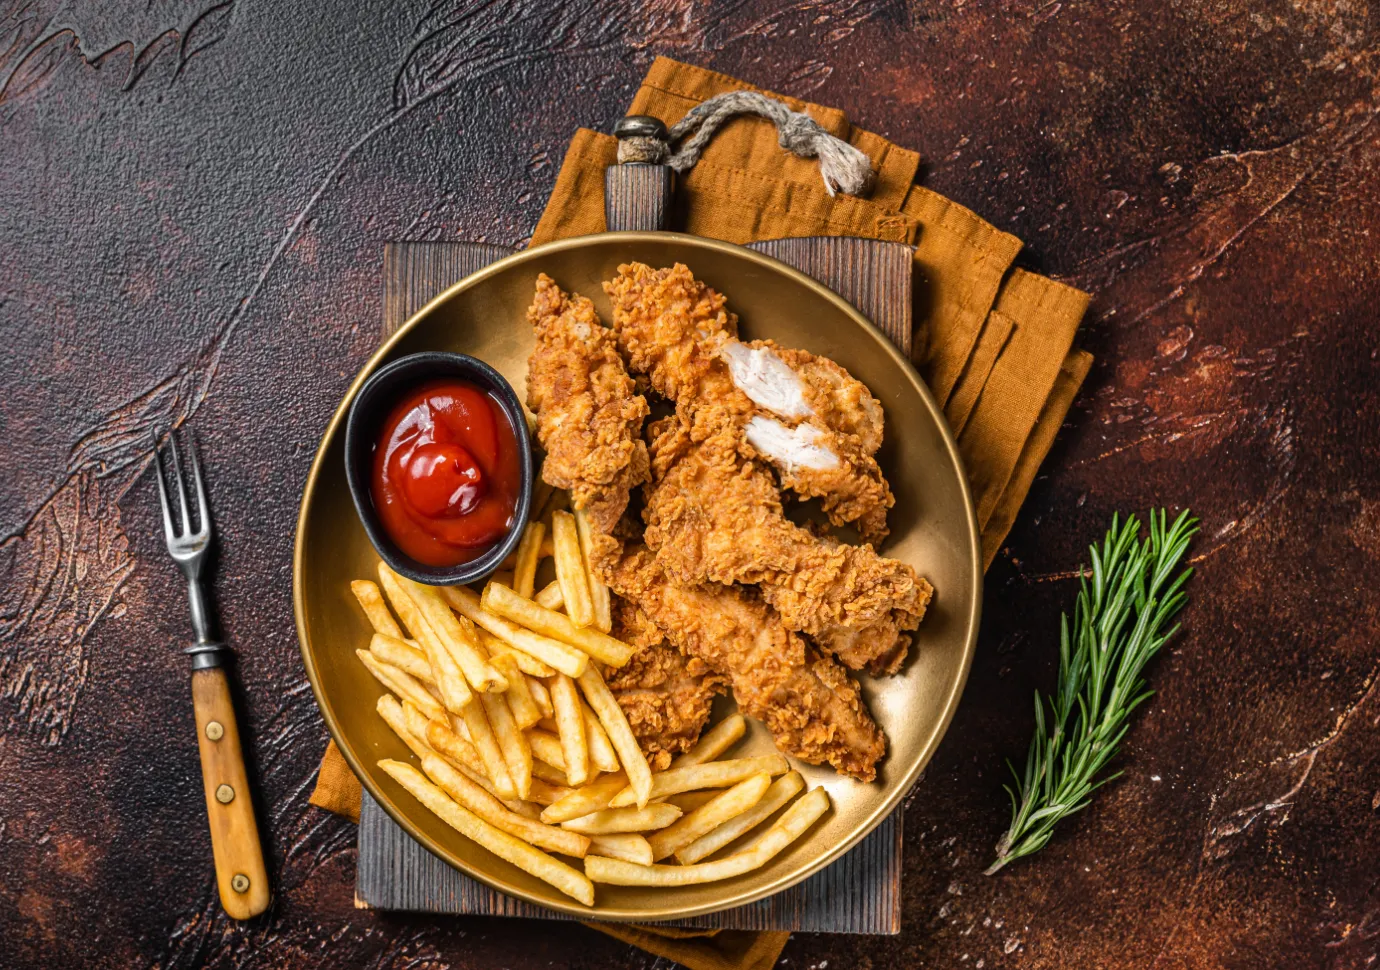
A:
<point x="416" y="731"/>
<point x="781" y="791"/>
<point x="550" y="596"/>
<point x="570" y="569"/>
<point x="491" y="810"/>
<point x="450" y="681"/>
<point x="688" y="801"/>
<point x="547" y="747"/>
<point x="507" y="603"/>
<point x="525" y="710"/>
<point x="481" y="733"/>
<point x="473" y="769"/>
<point x="542" y="696"/>
<point x="601" y="753"/>
<point x="548" y="772"/>
<point x="620" y="735"/>
<point x="610" y="821"/>
<point x="528" y="552"/>
<point x="584" y="801"/>
<point x="455" y="692"/>
<point x="461" y="755"/>
<point x="548" y="548"/>
<point x="541" y="494"/>
<point x="563" y="657"/>
<point x="393" y="651"/>
<point x="408" y="614"/>
<point x="401" y="683"/>
<point x="433" y="690"/>
<point x="446" y="742"/>
<point x="570" y="725"/>
<point x="500" y="843"/>
<point x="392" y="713"/>
<point x="417" y="724"/>
<point x="598" y="592"/>
<point x="714" y="774"/>
<point x="503" y="576"/>
<point x="371" y="601"/>
<point x="713" y="742"/>
<point x="517" y="756"/>
<point x="527" y="663"/>
<point x="548" y="724"/>
<point x="785" y="830"/>
<point x="526" y="809"/>
<point x="545" y="793"/>
<point x="705" y="819"/>
<point x="457" y="635"/>
<point x="626" y="846"/>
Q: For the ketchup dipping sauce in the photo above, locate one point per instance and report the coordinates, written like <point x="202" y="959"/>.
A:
<point x="446" y="473"/>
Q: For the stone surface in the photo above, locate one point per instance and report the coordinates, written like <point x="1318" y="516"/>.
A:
<point x="195" y="203"/>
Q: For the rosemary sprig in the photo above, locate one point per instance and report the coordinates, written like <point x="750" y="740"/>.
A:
<point x="1121" y="620"/>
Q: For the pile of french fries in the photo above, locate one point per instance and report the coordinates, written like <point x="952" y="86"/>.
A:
<point x="521" y="746"/>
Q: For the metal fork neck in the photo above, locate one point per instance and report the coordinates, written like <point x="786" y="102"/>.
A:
<point x="206" y="652"/>
<point x="208" y="655"/>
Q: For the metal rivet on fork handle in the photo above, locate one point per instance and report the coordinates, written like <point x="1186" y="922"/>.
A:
<point x="225" y="794"/>
<point x="240" y="883"/>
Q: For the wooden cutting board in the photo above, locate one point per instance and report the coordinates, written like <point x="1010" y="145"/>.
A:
<point x="860" y="893"/>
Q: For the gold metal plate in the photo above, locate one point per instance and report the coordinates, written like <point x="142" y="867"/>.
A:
<point x="933" y="527"/>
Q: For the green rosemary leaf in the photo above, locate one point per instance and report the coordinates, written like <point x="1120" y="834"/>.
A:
<point x="1122" y="616"/>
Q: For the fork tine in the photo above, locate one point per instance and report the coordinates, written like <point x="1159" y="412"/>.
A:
<point x="181" y="482"/>
<point x="203" y="510"/>
<point x="168" y="530"/>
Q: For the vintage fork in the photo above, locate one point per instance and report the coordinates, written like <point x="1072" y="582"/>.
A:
<point x="240" y="872"/>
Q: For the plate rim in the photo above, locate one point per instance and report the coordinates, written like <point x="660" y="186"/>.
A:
<point x="884" y="805"/>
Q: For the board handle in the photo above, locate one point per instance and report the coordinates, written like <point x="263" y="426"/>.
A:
<point x="639" y="189"/>
<point x="240" y="871"/>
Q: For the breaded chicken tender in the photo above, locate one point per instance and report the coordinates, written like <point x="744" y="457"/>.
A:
<point x="813" y="709"/>
<point x="589" y="415"/>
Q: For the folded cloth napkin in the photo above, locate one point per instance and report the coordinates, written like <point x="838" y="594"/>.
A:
<point x="994" y="343"/>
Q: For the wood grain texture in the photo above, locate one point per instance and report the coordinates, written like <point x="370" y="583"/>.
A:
<point x="637" y="197"/>
<point x="876" y="277"/>
<point x="860" y="893"/>
<point x="192" y="232"/>
<point x="415" y="272"/>
<point x="240" y="872"/>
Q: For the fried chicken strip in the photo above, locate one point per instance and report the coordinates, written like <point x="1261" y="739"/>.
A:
<point x="714" y="515"/>
<point x="589" y="416"/>
<point x="806" y="415"/>
<point x="829" y="454"/>
<point x="589" y="420"/>
<point x="811" y="706"/>
<point x="665" y="695"/>
<point x="839" y="399"/>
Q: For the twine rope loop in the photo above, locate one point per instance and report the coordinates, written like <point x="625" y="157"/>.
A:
<point x="843" y="167"/>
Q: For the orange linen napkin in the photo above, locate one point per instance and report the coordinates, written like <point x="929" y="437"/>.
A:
<point x="994" y="344"/>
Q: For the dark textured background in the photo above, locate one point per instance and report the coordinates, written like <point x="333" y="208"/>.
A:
<point x="193" y="204"/>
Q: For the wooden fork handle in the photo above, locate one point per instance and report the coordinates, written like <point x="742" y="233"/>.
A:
<point x="240" y="871"/>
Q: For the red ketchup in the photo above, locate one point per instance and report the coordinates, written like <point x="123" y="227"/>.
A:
<point x="446" y="473"/>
